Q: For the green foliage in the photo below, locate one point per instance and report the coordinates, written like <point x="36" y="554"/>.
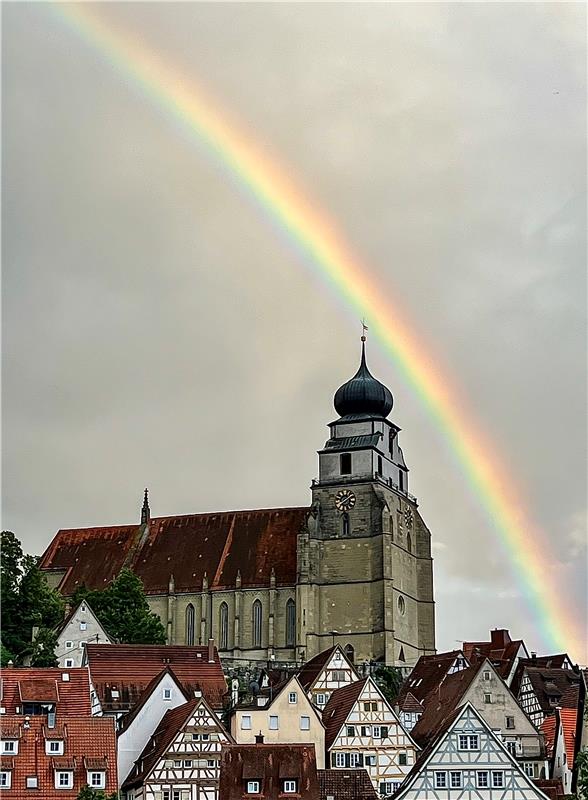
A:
<point x="87" y="793"/>
<point x="27" y="602"/>
<point x="123" y="610"/>
<point x="389" y="681"/>
<point x="582" y="769"/>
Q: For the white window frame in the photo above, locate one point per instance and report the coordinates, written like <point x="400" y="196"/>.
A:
<point x="6" y="779"/>
<point x="487" y="675"/>
<point x="292" y="697"/>
<point x="468" y="741"/>
<point x="290" y="787"/>
<point x="69" y="645"/>
<point x="274" y="722"/>
<point x="68" y="773"/>
<point x="498" y="773"/>
<point x="529" y="768"/>
<point x="253" y="787"/>
<point x="440" y="779"/>
<point x="321" y="699"/>
<point x="488" y="697"/>
<point x="304" y="723"/>
<point x="83" y="625"/>
<point x="69" y="662"/>
<point x="101" y="779"/>
<point x="167" y="693"/>
<point x="246" y="722"/>
<point x="376" y="732"/>
<point x="32" y="782"/>
<point x="50" y="749"/>
<point x="350" y="731"/>
<point x="452" y="775"/>
<point x="10" y="747"/>
<point x="483" y="784"/>
<point x="340" y="760"/>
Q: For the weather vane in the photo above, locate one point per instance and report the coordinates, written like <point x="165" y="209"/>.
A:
<point x="364" y="328"/>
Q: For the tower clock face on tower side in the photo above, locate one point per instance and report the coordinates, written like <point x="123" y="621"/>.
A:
<point x="345" y="500"/>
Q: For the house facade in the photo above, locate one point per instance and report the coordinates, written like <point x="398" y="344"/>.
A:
<point x="362" y="731"/>
<point x="181" y="761"/>
<point x="80" y="627"/>
<point x="325" y="673"/>
<point x="466" y="759"/>
<point x="287" y="717"/>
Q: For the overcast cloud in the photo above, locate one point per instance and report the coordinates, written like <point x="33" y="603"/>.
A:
<point x="158" y="332"/>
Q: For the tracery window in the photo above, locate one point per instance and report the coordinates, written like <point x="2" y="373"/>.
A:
<point x="190" y="616"/>
<point x="223" y="637"/>
<point x="256" y="618"/>
<point x="290" y="623"/>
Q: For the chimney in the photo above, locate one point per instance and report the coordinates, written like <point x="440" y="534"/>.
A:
<point x="499" y="637"/>
<point x="259" y="738"/>
<point x="533" y="655"/>
<point x="211" y="651"/>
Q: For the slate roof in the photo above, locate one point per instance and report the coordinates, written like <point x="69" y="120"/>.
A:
<point x="271" y="764"/>
<point x="337" y="709"/>
<point x="46" y="685"/>
<point x="88" y="740"/>
<point x="426" y="675"/>
<point x="217" y="545"/>
<point x="346" y="784"/>
<point x="130" y="668"/>
<point x="441" y="705"/>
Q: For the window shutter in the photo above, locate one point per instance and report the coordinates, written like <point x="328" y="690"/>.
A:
<point x="347" y="760"/>
<point x="333" y="759"/>
<point x="360" y="762"/>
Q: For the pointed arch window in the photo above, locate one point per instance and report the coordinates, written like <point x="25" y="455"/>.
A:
<point x="290" y="623"/>
<point x="350" y="652"/>
<point x="190" y="617"/>
<point x="256" y="619"/>
<point x="223" y="628"/>
<point x="345" y="524"/>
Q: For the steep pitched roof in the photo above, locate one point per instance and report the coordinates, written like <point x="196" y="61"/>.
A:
<point x="71" y="614"/>
<point x="411" y="704"/>
<point x="250" y="542"/>
<point x="313" y="668"/>
<point x="501" y="651"/>
<point x="551" y="685"/>
<point x="147" y="692"/>
<point x="557" y="661"/>
<point x="129" y="669"/>
<point x="271" y="764"/>
<point x="338" y="708"/>
<point x="346" y="784"/>
<point x="86" y="740"/>
<point x="68" y="688"/>
<point x="428" y="672"/>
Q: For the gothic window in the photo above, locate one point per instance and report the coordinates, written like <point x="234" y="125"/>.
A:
<point x="190" y="624"/>
<point x="290" y="623"/>
<point x="223" y="627"/>
<point x="345" y="463"/>
<point x="350" y="652"/>
<point x="256" y="617"/>
<point x="409" y="543"/>
<point x="346" y="528"/>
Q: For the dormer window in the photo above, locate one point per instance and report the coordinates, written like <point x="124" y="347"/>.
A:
<point x="290" y="786"/>
<point x="253" y="787"/>
<point x="345" y="463"/>
<point x="54" y="747"/>
<point x="96" y="779"/>
<point x="10" y="747"/>
<point x="64" y="779"/>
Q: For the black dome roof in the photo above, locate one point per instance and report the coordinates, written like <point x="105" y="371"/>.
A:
<point x="363" y="394"/>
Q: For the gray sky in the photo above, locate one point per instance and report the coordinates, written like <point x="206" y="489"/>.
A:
<point x="157" y="330"/>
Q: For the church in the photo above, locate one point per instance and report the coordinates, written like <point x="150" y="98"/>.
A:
<point x="354" y="567"/>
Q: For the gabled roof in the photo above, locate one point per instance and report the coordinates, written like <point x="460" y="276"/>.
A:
<point x="271" y="764"/>
<point x="228" y="543"/>
<point x="71" y="614"/>
<point x="148" y="691"/>
<point x="411" y="704"/>
<point x="346" y="784"/>
<point x="557" y="661"/>
<point x="441" y="705"/>
<point x="550" y="684"/>
<point x="68" y="689"/>
<point x="338" y="709"/>
<point x="129" y="669"/>
<point x="86" y="740"/>
<point x="501" y="651"/>
<point x="313" y="668"/>
<point x="426" y="675"/>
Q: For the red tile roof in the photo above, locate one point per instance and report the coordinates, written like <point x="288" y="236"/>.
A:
<point x="501" y="650"/>
<point x="549" y="727"/>
<point x="271" y="764"/>
<point x="337" y="709"/>
<point x="47" y="685"/>
<point x="552" y="789"/>
<point x="441" y="704"/>
<point x="426" y="676"/>
<point x="312" y="669"/>
<point x="146" y="694"/>
<point x="87" y="738"/>
<point x="217" y="545"/>
<point x="130" y="668"/>
<point x="346" y="784"/>
<point x="551" y="684"/>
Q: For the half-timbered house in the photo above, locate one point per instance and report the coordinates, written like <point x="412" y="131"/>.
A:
<point x="562" y="734"/>
<point x="362" y="730"/>
<point x="467" y="759"/>
<point x="541" y="688"/>
<point x="326" y="672"/>
<point x="181" y="761"/>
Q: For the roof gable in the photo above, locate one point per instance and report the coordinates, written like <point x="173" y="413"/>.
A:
<point x="70" y="621"/>
<point x="314" y="670"/>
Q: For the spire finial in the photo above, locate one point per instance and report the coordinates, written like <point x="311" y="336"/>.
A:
<point x="364" y="328"/>
<point x="145" y="511"/>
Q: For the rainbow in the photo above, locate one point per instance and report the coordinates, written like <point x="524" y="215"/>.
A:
<point x="323" y="247"/>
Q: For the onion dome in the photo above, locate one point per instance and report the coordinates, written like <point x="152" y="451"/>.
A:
<point x="363" y="394"/>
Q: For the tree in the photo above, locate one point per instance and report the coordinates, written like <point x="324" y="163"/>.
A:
<point x="582" y="780"/>
<point x="28" y="602"/>
<point x="123" y="610"/>
<point x="87" y="793"/>
<point x="389" y="680"/>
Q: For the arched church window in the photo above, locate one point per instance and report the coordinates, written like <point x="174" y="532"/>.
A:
<point x="223" y="635"/>
<point x="256" y="618"/>
<point x="190" y="616"/>
<point x="409" y="542"/>
<point x="290" y="623"/>
<point x="346" y="526"/>
<point x="350" y="652"/>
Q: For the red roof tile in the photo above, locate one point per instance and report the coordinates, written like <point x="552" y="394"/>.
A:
<point x="337" y="709"/>
<point x="87" y="738"/>
<point x="130" y="668"/>
<point x="270" y="764"/>
<point x="553" y="789"/>
<point x="312" y="669"/>
<point x="426" y="676"/>
<point x="346" y="784"/>
<point x="252" y="542"/>
<point x="47" y="685"/>
<point x="441" y="704"/>
<point x="548" y="726"/>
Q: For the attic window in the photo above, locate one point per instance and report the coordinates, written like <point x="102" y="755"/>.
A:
<point x="65" y="677"/>
<point x="253" y="787"/>
<point x="115" y="694"/>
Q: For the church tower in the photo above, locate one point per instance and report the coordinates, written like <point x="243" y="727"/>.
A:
<point x="365" y="573"/>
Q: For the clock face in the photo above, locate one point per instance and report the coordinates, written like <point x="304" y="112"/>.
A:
<point x="408" y="518"/>
<point x="345" y="500"/>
